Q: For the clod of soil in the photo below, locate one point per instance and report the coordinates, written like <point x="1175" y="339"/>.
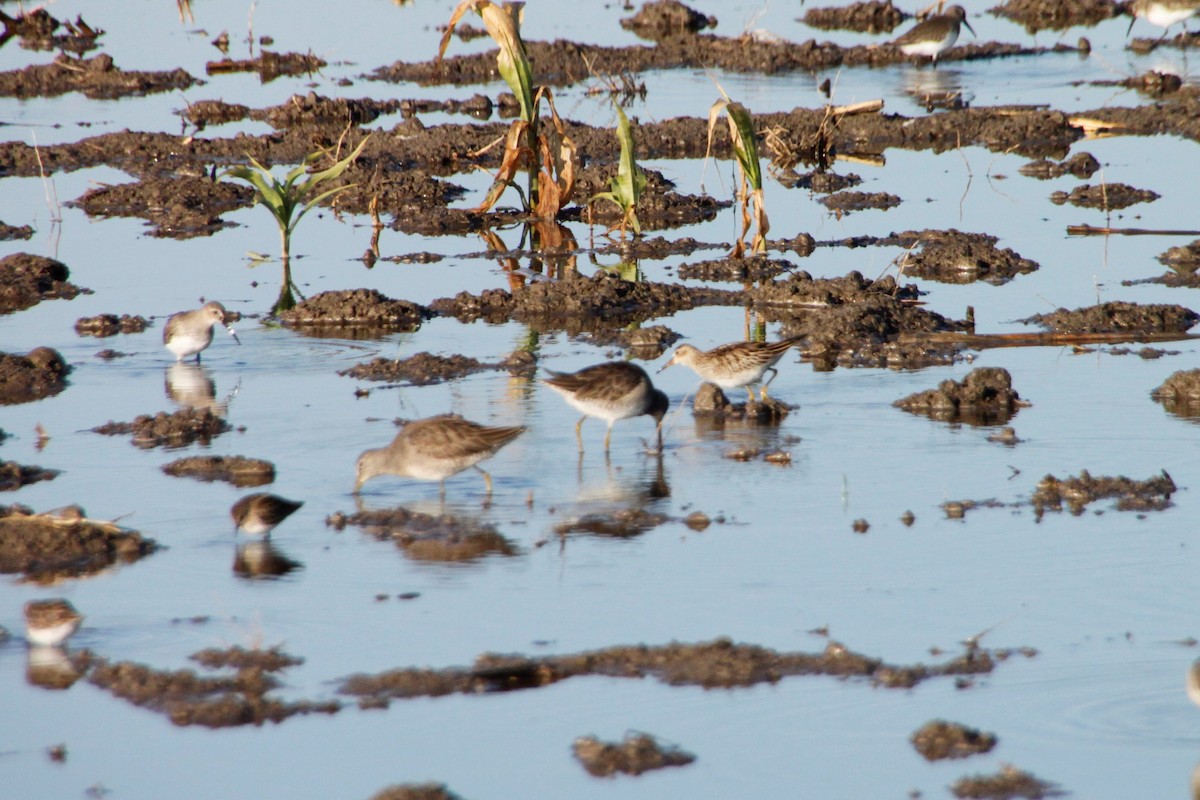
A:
<point x="169" y="430"/>
<point x="845" y="202"/>
<point x="356" y="313"/>
<point x="955" y="257"/>
<point x="315" y="109"/>
<point x="660" y="205"/>
<point x="416" y="791"/>
<point x="203" y="113"/>
<point x="1154" y="83"/>
<point x="270" y="660"/>
<point x="425" y="369"/>
<point x="638" y="753"/>
<point x="819" y="181"/>
<point x="871" y="16"/>
<point x="1055" y="15"/>
<point x="97" y="78"/>
<point x="40" y="373"/>
<point x="1184" y="258"/>
<point x="238" y="470"/>
<point x="64" y="544"/>
<point x="187" y="698"/>
<point x="1081" y="165"/>
<point x="268" y="65"/>
<point x="663" y="19"/>
<point x="175" y="206"/>
<point x="13" y="475"/>
<point x="36" y="28"/>
<point x="1152" y="494"/>
<point x="1008" y="783"/>
<point x="984" y="397"/>
<point x="716" y="664"/>
<point x="26" y="280"/>
<point x="1180" y="393"/>
<point x="103" y="325"/>
<point x="11" y="232"/>
<point x="735" y="270"/>
<point x="1118" y="317"/>
<point x="1106" y="196"/>
<point x="939" y="739"/>
<point x="623" y="524"/>
<point x="424" y="537"/>
<point x="712" y="404"/>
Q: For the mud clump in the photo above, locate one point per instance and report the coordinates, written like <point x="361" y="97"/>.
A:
<point x="315" y="109"/>
<point x="734" y="270"/>
<point x="939" y="739"/>
<point x="1055" y="15"/>
<point x="97" y="78"/>
<point x="353" y="314"/>
<point x="238" y="470"/>
<point x="1081" y="165"/>
<point x="1008" y="783"/>
<point x="638" y="753"/>
<point x="268" y="65"/>
<point x="845" y="202"/>
<point x="176" y="207"/>
<point x="38" y="374"/>
<point x="179" y="429"/>
<point x="104" y="325"/>
<point x="1118" y="317"/>
<point x="187" y="698"/>
<point x="26" y="280"/>
<point x="64" y="544"/>
<point x="1108" y="197"/>
<point x="712" y="404"/>
<point x="955" y="257"/>
<point x="624" y="524"/>
<point x="1184" y="258"/>
<point x="1180" y="393"/>
<point x="871" y="16"/>
<point x="13" y="475"/>
<point x="1153" y="494"/>
<point x="425" y="537"/>
<point x="664" y="19"/>
<point x="10" y="232"/>
<point x="984" y="397"/>
<point x="425" y="369"/>
<point x="203" y="113"/>
<point x="416" y="791"/>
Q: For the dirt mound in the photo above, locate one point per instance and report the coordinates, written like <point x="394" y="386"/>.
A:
<point x="871" y="16"/>
<point x="1106" y="196"/>
<point x="13" y="475"/>
<point x="97" y="78"/>
<point x="623" y="524"/>
<point x="1081" y="165"/>
<point x="1008" y="782"/>
<point x="361" y="312"/>
<point x="64" y="544"/>
<point x="735" y="270"/>
<point x="712" y="404"/>
<point x="1118" y="317"/>
<point x="1180" y="393"/>
<point x="663" y="19"/>
<point x="176" y="207"/>
<point x="845" y="202"/>
<point x="1152" y="494"/>
<point x="1056" y="15"/>
<point x="955" y="257"/>
<point x="425" y="369"/>
<point x="939" y="739"/>
<point x="416" y="791"/>
<point x="26" y="280"/>
<point x="40" y="373"/>
<point x="984" y="397"/>
<point x="269" y="65"/>
<point x="103" y="325"/>
<point x="424" y="537"/>
<point x="169" y="430"/>
<point x="238" y="470"/>
<point x="638" y="753"/>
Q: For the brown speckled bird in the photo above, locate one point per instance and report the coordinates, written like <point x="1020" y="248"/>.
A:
<point x="610" y="391"/>
<point x="258" y="514"/>
<point x="737" y="364"/>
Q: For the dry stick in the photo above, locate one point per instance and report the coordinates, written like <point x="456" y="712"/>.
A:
<point x="47" y="186"/>
<point x="1058" y="339"/>
<point x="1090" y="230"/>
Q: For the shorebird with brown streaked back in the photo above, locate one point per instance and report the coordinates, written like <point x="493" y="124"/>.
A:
<point x="610" y="391"/>
<point x="737" y="364"/>
<point x="189" y="332"/>
<point x="934" y="35"/>
<point x="434" y="448"/>
<point x="1163" y="13"/>
<point x="49" y="623"/>
<point x="259" y="513"/>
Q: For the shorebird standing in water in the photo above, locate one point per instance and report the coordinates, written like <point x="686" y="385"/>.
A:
<point x="934" y="35"/>
<point x="610" y="391"/>
<point x="189" y="332"/>
<point x="737" y="364"/>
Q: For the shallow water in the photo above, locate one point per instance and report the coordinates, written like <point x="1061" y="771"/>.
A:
<point x="1107" y="598"/>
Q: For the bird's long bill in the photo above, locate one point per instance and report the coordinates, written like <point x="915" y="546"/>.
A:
<point x="1132" y="19"/>
<point x="664" y="366"/>
<point x="233" y="333"/>
<point x="972" y="30"/>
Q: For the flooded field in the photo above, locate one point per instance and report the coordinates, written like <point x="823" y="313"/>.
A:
<point x="965" y="499"/>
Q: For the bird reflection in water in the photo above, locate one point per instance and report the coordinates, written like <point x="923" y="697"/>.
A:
<point x="192" y="386"/>
<point x="936" y="89"/>
<point x="260" y="558"/>
<point x="621" y="506"/>
<point x="51" y="668"/>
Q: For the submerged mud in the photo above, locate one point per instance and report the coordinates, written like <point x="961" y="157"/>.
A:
<point x="179" y="429"/>
<point x="637" y="753"/>
<point x="1076" y="493"/>
<point x="1056" y="15"/>
<point x="623" y="524"/>
<point x="939" y="739"/>
<point x="1008" y="783"/>
<point x="1105" y="196"/>
<point x="26" y="280"/>
<point x="416" y="791"/>
<point x="425" y="369"/>
<point x="64" y="544"/>
<point x="869" y="16"/>
<point x="353" y="313"/>
<point x="425" y="537"/>
<point x="984" y="397"/>
<point x="179" y="207"/>
<point x="1118" y="317"/>
<point x="955" y="257"/>
<point x="97" y="78"/>
<point x="104" y="325"/>
<point x="238" y="470"/>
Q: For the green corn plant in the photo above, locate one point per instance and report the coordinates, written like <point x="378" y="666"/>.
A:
<point x="745" y="148"/>
<point x="630" y="181"/>
<point x="290" y="199"/>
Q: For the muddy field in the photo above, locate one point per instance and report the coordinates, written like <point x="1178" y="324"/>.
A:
<point x="860" y="584"/>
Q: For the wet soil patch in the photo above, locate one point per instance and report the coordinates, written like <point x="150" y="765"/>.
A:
<point x="1152" y="494"/>
<point x="13" y="475"/>
<point x="872" y="16"/>
<point x="238" y="470"/>
<point x="416" y="791"/>
<point x="716" y="664"/>
<point x="955" y="257"/>
<point x="662" y="19"/>
<point x="845" y="202"/>
<point x="26" y="280"/>
<point x="11" y="232"/>
<point x="104" y="325"/>
<point x="984" y="397"/>
<point x="939" y="739"/>
<point x="712" y="404"/>
<point x="268" y="65"/>
<point x="179" y="429"/>
<point x="1184" y="263"/>
<point x="638" y="753"/>
<point x="735" y="270"/>
<point x="1081" y="165"/>
<point x="659" y="206"/>
<point x="1180" y="393"/>
<point x="578" y="303"/>
<point x="624" y="524"/>
<point x="38" y="374"/>
<point x="318" y="110"/>
<point x="356" y="313"/>
<point x="426" y="369"/>
<point x="1118" y="317"/>
<point x="1056" y="15"/>
<point x="36" y="31"/>
<point x="644" y="344"/>
<point x="97" y="78"/>
<point x="1006" y="784"/>
<point x="819" y="181"/>
<point x="1106" y="196"/>
<point x="425" y="537"/>
<point x="175" y="207"/>
<point x="188" y="698"/>
<point x="64" y="544"/>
